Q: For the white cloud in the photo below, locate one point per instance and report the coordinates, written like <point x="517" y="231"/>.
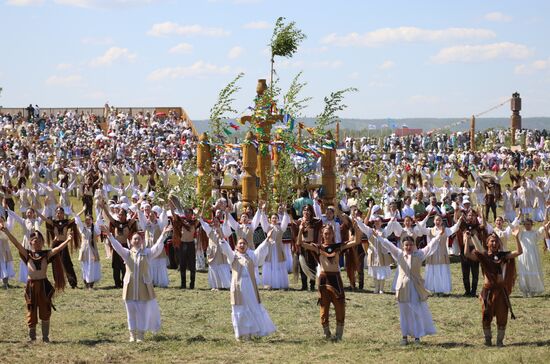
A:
<point x="386" y="65"/>
<point x="197" y="69"/>
<point x="535" y="66"/>
<point x="257" y="25"/>
<point x="97" y="41"/>
<point x="235" y="52"/>
<point x="171" y="28"/>
<point x="497" y="16"/>
<point x="67" y="80"/>
<point x="354" y="75"/>
<point x="112" y="55"/>
<point x="405" y="34"/>
<point x="24" y="2"/>
<point x="104" y="3"/>
<point x="64" y="66"/>
<point x="480" y="53"/>
<point x="182" y="48"/>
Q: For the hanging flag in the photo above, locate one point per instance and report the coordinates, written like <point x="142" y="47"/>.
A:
<point x="234" y="126"/>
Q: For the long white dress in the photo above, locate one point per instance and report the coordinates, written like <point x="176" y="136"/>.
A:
<point x="142" y="314"/>
<point x="219" y="272"/>
<point x="6" y="259"/>
<point x="415" y="317"/>
<point x="158" y="265"/>
<point x="438" y="269"/>
<point x="250" y="317"/>
<point x="274" y="269"/>
<point x="530" y="274"/>
<point x="88" y="254"/>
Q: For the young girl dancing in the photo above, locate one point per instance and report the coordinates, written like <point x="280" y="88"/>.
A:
<point x="248" y="315"/>
<point x="414" y="315"/>
<point x="139" y="297"/>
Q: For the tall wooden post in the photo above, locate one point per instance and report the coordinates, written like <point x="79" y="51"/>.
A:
<point x="249" y="180"/>
<point x="328" y="177"/>
<point x="337" y="133"/>
<point x="515" y="105"/>
<point x="204" y="163"/>
<point x="473" y="133"/>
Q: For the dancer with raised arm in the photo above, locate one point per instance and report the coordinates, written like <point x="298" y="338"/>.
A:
<point x="414" y="314"/>
<point x="248" y="315"/>
<point x="39" y="291"/>
<point x="331" y="287"/>
<point x="142" y="308"/>
<point x="499" y="270"/>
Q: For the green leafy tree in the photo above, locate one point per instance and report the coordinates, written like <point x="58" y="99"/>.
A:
<point x="333" y="104"/>
<point x="221" y="110"/>
<point x="284" y="42"/>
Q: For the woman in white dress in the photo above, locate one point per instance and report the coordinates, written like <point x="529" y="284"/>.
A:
<point x="248" y="315"/>
<point x="219" y="272"/>
<point x="274" y="270"/>
<point x="88" y="253"/>
<point x="153" y="226"/>
<point x="531" y="276"/>
<point x="6" y="258"/>
<point x="438" y="264"/>
<point x="414" y="314"/>
<point x="142" y="308"/>
<point x="402" y="232"/>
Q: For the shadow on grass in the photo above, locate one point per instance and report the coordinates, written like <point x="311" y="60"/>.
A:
<point x="531" y="343"/>
<point x="448" y="345"/>
<point x="94" y="342"/>
<point x="202" y="339"/>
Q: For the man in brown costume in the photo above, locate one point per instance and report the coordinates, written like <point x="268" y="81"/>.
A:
<point x="499" y="270"/>
<point x="331" y="288"/>
<point x="61" y="227"/>
<point x="39" y="291"/>
<point x="309" y="229"/>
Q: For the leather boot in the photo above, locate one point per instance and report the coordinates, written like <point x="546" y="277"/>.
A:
<point x="32" y="334"/>
<point x="500" y="337"/>
<point x="46" y="331"/>
<point x="192" y="280"/>
<point x="488" y="337"/>
<point x="326" y="331"/>
<point x="339" y="332"/>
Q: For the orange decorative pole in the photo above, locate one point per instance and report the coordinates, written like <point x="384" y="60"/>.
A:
<point x="249" y="180"/>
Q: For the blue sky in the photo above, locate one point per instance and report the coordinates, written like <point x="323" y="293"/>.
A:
<point x="407" y="58"/>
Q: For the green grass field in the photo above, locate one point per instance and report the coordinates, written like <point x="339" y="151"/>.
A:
<point x="90" y="326"/>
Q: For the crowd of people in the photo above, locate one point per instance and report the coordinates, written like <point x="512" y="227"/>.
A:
<point x="400" y="205"/>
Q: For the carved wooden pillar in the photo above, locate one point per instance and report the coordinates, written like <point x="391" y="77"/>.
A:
<point x="515" y="105"/>
<point x="328" y="177"/>
<point x="249" y="180"/>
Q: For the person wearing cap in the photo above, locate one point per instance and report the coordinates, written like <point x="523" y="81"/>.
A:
<point x="88" y="254"/>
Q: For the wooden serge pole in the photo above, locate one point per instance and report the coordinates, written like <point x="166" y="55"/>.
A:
<point x="515" y="105"/>
<point x="473" y="133"/>
<point x="250" y="180"/>
<point x="328" y="177"/>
